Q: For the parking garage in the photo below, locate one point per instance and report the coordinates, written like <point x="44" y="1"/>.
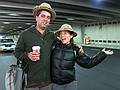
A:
<point x="100" y="21"/>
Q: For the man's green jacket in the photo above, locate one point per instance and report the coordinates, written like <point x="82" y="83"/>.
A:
<point x="38" y="72"/>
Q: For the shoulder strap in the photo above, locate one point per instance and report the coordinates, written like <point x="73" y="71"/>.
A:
<point x="74" y="49"/>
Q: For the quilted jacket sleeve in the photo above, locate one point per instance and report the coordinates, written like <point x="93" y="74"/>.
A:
<point x="86" y="61"/>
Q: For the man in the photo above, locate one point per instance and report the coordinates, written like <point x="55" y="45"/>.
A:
<point x="38" y="63"/>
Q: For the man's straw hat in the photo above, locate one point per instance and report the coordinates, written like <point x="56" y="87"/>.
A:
<point x="66" y="27"/>
<point x="44" y="6"/>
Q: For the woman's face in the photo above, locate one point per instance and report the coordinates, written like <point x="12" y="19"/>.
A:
<point x="65" y="37"/>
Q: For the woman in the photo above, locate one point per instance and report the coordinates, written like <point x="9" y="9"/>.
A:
<point x="64" y="55"/>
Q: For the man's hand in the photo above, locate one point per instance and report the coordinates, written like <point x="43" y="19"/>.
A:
<point x="81" y="49"/>
<point x="34" y="56"/>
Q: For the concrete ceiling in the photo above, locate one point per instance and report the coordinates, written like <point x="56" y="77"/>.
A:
<point x="16" y="15"/>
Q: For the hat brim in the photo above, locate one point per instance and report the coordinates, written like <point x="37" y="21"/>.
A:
<point x="51" y="11"/>
<point x="58" y="32"/>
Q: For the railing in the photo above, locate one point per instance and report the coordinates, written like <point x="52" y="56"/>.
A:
<point x="108" y="42"/>
<point x="115" y="44"/>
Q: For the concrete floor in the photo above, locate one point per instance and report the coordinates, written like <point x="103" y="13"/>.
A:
<point x="105" y="76"/>
<point x="5" y="60"/>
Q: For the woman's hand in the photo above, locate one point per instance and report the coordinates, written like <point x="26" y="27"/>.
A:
<point x="108" y="51"/>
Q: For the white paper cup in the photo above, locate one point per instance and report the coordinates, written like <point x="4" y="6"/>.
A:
<point x="36" y="49"/>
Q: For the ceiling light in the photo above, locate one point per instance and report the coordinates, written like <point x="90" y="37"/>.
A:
<point x="70" y="19"/>
<point x="13" y="14"/>
<point x="6" y="22"/>
<point x="2" y="26"/>
<point x="28" y="23"/>
<point x="14" y="29"/>
<point x="19" y="27"/>
<point x="99" y="1"/>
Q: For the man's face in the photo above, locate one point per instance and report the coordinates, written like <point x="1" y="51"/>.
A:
<point x="43" y="19"/>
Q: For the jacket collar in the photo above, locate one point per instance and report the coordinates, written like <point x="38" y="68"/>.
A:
<point x="65" y="45"/>
<point x="33" y="30"/>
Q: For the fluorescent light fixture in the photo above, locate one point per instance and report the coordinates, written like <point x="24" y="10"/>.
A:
<point x="13" y="14"/>
<point x="98" y="0"/>
<point x="70" y="19"/>
<point x="19" y="27"/>
<point x="28" y="23"/>
<point x="6" y="22"/>
<point x="2" y="26"/>
<point x="14" y="29"/>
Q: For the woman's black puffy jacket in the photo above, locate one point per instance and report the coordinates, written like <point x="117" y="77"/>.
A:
<point x="63" y="60"/>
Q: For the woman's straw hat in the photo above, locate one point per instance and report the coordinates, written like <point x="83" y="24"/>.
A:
<point x="66" y="27"/>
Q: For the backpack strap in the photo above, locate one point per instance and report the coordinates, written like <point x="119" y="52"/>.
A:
<point x="74" y="49"/>
<point x="77" y="50"/>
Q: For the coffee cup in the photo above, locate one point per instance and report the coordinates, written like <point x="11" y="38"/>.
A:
<point x="36" y="49"/>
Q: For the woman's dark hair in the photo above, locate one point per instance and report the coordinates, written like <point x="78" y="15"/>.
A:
<point x="71" y="40"/>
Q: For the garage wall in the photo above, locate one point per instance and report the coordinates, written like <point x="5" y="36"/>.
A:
<point x="108" y="32"/>
<point x="78" y="30"/>
<point x="105" y="76"/>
